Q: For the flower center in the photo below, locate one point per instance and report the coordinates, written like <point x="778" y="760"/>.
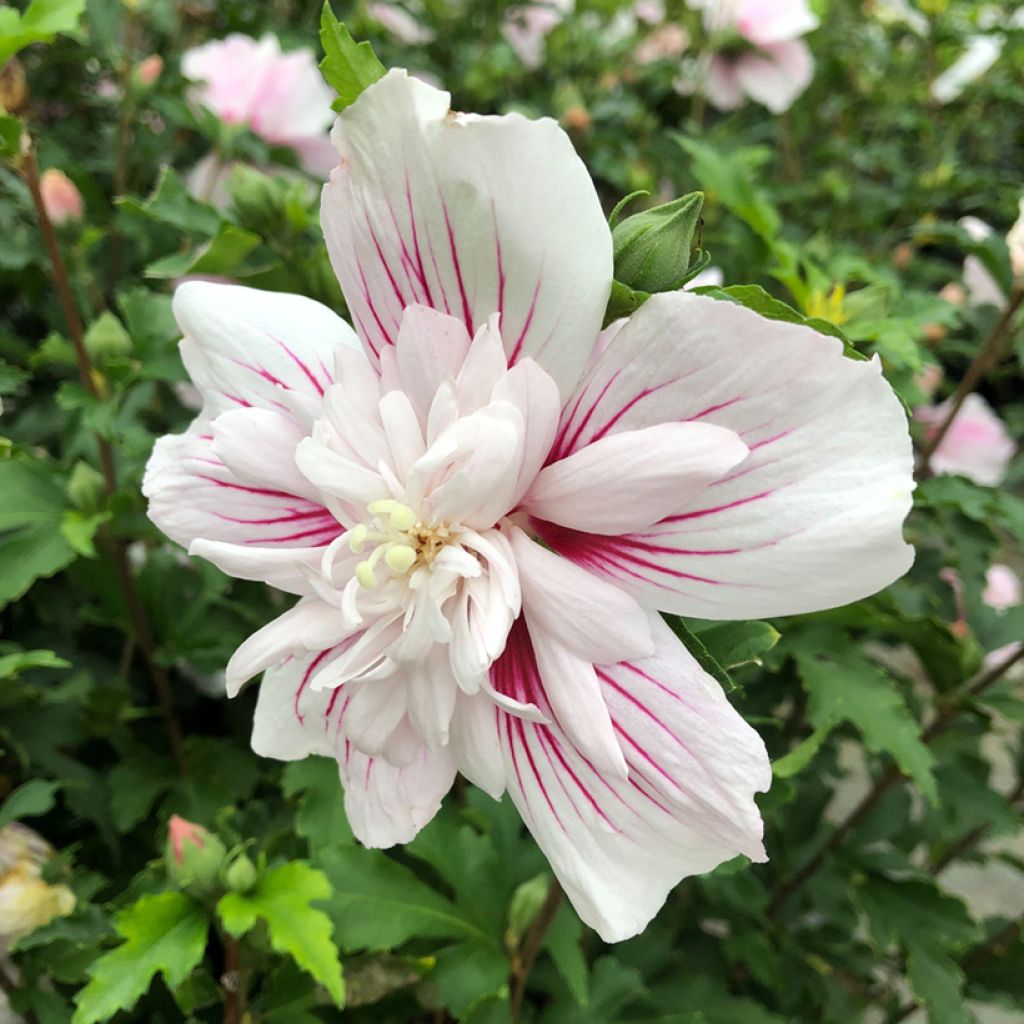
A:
<point x="402" y="541"/>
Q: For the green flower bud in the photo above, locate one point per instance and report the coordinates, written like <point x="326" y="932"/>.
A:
<point x="194" y="856"/>
<point x="107" y="338"/>
<point x="241" y="876"/>
<point x="526" y="903"/>
<point x="654" y="249"/>
<point x="85" y="487"/>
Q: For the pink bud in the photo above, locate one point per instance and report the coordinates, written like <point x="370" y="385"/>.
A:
<point x="149" y="70"/>
<point x="61" y="197"/>
<point x="180" y="832"/>
<point x="1002" y="588"/>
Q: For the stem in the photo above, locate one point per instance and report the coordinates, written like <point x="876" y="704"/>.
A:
<point x="116" y="550"/>
<point x="890" y="778"/>
<point x="986" y="358"/>
<point x="234" y="1002"/>
<point x="530" y="947"/>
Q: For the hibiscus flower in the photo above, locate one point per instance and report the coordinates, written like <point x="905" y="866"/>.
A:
<point x="482" y="521"/>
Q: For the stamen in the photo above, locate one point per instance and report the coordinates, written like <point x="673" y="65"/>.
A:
<point x="357" y="537"/>
<point x="400" y="557"/>
<point x="364" y="573"/>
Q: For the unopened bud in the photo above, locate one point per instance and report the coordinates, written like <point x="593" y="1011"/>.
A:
<point x="61" y="198"/>
<point x="13" y="87"/>
<point x="106" y="338"/>
<point x="85" y="487"/>
<point x="525" y="906"/>
<point x="242" y="875"/>
<point x="193" y="856"/>
<point x="149" y="70"/>
<point x="654" y="249"/>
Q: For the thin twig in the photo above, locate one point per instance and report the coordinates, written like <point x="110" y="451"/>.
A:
<point x="234" y="993"/>
<point x="971" y="838"/>
<point x="987" y="357"/>
<point x="116" y="550"/>
<point x="890" y="778"/>
<point x="530" y="947"/>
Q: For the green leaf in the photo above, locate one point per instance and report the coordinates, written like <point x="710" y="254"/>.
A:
<point x="41" y="21"/>
<point x="349" y="67"/>
<point x="171" y="203"/>
<point x="378" y="903"/>
<point x="11" y="130"/>
<point x="846" y="687"/>
<point x="938" y="982"/>
<point x="221" y="255"/>
<point x="321" y="817"/>
<point x="801" y="756"/>
<point x="135" y="783"/>
<point x="283" y="898"/>
<point x="623" y="302"/>
<point x="12" y="664"/>
<point x="733" y="644"/>
<point x="563" y="944"/>
<point x="701" y="654"/>
<point x="469" y="973"/>
<point x="31" y="541"/>
<point x="29" y="800"/>
<point x="165" y="934"/>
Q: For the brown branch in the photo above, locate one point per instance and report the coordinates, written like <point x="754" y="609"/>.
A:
<point x="234" y="995"/>
<point x="990" y="353"/>
<point x="530" y="947"/>
<point x="890" y="778"/>
<point x="137" y="614"/>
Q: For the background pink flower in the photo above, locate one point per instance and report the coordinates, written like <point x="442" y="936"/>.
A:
<point x="279" y="96"/>
<point x="61" y="197"/>
<point x="977" y="444"/>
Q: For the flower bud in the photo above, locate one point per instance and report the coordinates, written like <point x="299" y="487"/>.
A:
<point x="106" y="338"/>
<point x="241" y="876"/>
<point x="85" y="487"/>
<point x="13" y="86"/>
<point x="193" y="856"/>
<point x="654" y="249"/>
<point x="149" y="70"/>
<point x="61" y="198"/>
<point x="525" y="906"/>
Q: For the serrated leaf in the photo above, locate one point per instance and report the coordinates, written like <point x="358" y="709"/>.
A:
<point x="349" y="67"/>
<point x="321" y="817"/>
<point x="938" y="982"/>
<point x="801" y="756"/>
<point x="732" y="644"/>
<point x="164" y="934"/>
<point x="29" y="800"/>
<point x="469" y="973"/>
<point x="378" y="903"/>
<point x="171" y="203"/>
<point x="135" y="783"/>
<point x="847" y="687"/>
<point x="283" y="898"/>
<point x="12" y="664"/>
<point x="40" y="22"/>
<point x="32" y="544"/>
<point x="563" y="944"/>
<point x="221" y="255"/>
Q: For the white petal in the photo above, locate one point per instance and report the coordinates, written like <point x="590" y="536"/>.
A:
<point x="631" y="480"/>
<point x="243" y="346"/>
<point x="813" y="517"/>
<point x="469" y="215"/>
<point x="619" y="846"/>
<point x="474" y="743"/>
<point x="596" y="620"/>
<point x="431" y="697"/>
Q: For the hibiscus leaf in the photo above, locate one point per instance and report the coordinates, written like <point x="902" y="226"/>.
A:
<point x="32" y="543"/>
<point x="700" y="653"/>
<point x="163" y="933"/>
<point x="378" y="903"/>
<point x="847" y="687"/>
<point x="320" y="819"/>
<point x="348" y="66"/>
<point x="283" y="898"/>
<point x="38" y="24"/>
<point x="732" y="644"/>
<point x="29" y="800"/>
<point x="469" y="973"/>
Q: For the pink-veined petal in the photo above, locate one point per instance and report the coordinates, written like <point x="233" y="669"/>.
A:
<point x="618" y="846"/>
<point x="198" y="502"/>
<point x="630" y="480"/>
<point x="813" y="516"/>
<point x="243" y="346"/>
<point x="471" y="216"/>
<point x="596" y="620"/>
<point x="384" y="804"/>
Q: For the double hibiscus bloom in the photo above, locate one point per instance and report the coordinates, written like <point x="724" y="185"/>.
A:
<point x="483" y="503"/>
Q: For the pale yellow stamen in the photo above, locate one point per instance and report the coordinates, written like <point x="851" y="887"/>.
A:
<point x="402" y="541"/>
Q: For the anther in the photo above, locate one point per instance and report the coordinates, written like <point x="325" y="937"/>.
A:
<point x="400" y="557"/>
<point x="364" y="573"/>
<point x="357" y="537"/>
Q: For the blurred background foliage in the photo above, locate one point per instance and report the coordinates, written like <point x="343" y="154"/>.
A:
<point x="896" y="880"/>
